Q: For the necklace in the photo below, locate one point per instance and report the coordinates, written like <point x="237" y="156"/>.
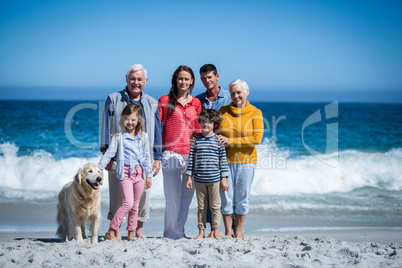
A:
<point x="184" y="100"/>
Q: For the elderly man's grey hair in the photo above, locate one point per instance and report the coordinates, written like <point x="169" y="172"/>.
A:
<point x="239" y="82"/>
<point x="137" y="67"/>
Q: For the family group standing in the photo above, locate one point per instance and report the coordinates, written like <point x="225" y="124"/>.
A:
<point x="220" y="148"/>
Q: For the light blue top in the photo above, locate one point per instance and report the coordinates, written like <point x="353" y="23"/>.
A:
<point x="222" y="99"/>
<point x="128" y="151"/>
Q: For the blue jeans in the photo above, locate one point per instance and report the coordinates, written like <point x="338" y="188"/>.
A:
<point x="240" y="178"/>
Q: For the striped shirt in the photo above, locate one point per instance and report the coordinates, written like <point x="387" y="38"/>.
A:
<point x="207" y="160"/>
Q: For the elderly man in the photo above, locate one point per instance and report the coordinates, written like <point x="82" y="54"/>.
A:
<point x="136" y="79"/>
<point x="214" y="97"/>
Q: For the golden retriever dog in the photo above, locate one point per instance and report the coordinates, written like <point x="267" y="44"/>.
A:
<point x="79" y="204"/>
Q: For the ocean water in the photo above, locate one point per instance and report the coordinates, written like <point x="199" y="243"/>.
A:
<point x="337" y="161"/>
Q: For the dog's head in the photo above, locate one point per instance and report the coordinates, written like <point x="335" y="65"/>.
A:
<point x="90" y="175"/>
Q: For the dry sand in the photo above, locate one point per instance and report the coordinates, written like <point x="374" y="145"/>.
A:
<point x="278" y="251"/>
<point x="30" y="242"/>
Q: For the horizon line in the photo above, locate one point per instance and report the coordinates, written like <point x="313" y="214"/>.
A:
<point x="251" y="101"/>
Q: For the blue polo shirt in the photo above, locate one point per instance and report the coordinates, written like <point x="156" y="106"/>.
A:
<point x="222" y="99"/>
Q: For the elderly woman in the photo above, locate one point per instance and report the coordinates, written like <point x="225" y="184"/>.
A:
<point x="242" y="128"/>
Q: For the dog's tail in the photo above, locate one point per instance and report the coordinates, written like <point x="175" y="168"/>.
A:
<point x="61" y="221"/>
<point x="59" y="232"/>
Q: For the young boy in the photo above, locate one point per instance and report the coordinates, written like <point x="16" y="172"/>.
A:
<point x="208" y="163"/>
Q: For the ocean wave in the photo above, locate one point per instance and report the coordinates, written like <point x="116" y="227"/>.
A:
<point x="311" y="175"/>
<point x="37" y="177"/>
<point x="322" y="229"/>
<point x="324" y="207"/>
<point x="40" y="176"/>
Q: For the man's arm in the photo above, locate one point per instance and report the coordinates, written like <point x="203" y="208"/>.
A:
<point x="105" y="132"/>
<point x="157" y="145"/>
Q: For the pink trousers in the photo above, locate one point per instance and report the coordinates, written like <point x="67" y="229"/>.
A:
<point x="131" y="188"/>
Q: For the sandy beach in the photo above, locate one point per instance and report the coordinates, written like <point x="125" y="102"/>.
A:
<point x="277" y="251"/>
<point x="32" y="243"/>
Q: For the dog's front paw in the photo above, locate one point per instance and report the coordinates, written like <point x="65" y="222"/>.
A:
<point x="79" y="239"/>
<point x="94" y="239"/>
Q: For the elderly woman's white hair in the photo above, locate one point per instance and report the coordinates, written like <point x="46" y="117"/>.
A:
<point x="137" y="67"/>
<point x="239" y="82"/>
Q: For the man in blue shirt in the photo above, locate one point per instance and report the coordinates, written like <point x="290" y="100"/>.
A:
<point x="214" y="97"/>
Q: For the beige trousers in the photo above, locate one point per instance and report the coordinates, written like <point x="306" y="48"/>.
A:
<point x="203" y="192"/>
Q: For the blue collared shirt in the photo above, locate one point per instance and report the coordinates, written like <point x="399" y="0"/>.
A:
<point x="222" y="99"/>
<point x="133" y="153"/>
<point x="158" y="136"/>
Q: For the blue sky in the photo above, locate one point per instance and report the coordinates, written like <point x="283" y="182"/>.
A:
<point x="286" y="50"/>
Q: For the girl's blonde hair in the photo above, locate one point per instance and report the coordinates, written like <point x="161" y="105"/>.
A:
<point x="128" y="110"/>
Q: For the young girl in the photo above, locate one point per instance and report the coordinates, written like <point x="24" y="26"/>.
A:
<point x="131" y="151"/>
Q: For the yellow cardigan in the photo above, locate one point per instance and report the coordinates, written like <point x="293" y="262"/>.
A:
<point x="244" y="128"/>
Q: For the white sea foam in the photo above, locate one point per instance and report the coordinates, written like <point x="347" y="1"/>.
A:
<point x="308" y="175"/>
<point x="41" y="176"/>
<point x="37" y="176"/>
<point x="322" y="229"/>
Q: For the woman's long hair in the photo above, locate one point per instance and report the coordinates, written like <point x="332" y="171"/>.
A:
<point x="128" y="110"/>
<point x="174" y="89"/>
